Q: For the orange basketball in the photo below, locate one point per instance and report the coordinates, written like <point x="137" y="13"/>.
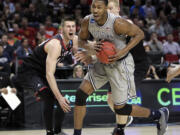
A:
<point x="108" y="49"/>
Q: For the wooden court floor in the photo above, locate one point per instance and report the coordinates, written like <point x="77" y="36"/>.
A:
<point x="142" y="130"/>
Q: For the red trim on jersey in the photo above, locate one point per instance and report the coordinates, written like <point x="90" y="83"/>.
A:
<point x="41" y="89"/>
<point x="62" y="42"/>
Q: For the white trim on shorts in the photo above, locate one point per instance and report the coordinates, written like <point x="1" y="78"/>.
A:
<point x="127" y="75"/>
<point x="128" y="83"/>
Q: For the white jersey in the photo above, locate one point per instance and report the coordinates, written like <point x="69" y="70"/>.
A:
<point x="119" y="74"/>
<point x="106" y="31"/>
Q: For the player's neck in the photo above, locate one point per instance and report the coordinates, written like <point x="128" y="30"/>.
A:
<point x="65" y="40"/>
<point x="103" y="20"/>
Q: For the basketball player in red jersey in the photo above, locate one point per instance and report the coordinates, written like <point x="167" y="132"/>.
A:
<point x="37" y="74"/>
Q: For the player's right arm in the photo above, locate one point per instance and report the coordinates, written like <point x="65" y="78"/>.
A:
<point x="83" y="36"/>
<point x="53" y="50"/>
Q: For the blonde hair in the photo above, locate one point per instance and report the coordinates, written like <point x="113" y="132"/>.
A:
<point x="116" y="2"/>
<point x="75" y="69"/>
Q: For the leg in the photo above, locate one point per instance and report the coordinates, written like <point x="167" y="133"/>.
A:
<point x="58" y="119"/>
<point x="121" y="120"/>
<point x="80" y="105"/>
<point x="160" y="115"/>
<point x="48" y="110"/>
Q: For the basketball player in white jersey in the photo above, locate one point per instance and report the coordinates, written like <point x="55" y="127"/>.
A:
<point x="120" y="73"/>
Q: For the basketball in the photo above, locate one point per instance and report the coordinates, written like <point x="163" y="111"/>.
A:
<point x="108" y="49"/>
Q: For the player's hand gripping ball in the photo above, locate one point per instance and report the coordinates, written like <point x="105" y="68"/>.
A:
<point x="108" y="49"/>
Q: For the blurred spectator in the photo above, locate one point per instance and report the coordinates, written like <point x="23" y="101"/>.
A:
<point x="9" y="50"/>
<point x="4" y="61"/>
<point x="28" y="32"/>
<point x="78" y="16"/>
<point x="3" y="27"/>
<point x="42" y="9"/>
<point x="174" y="19"/>
<point x="16" y="18"/>
<point x="165" y="23"/>
<point x="141" y="24"/>
<point x="10" y="5"/>
<point x="149" y="9"/>
<point x="154" y="45"/>
<point x="136" y="10"/>
<point x="171" y="47"/>
<point x="171" y="50"/>
<point x="33" y="15"/>
<point x="12" y="40"/>
<point x="151" y="73"/>
<point x="41" y="34"/>
<point x="16" y="31"/>
<point x="18" y="9"/>
<point x="50" y="30"/>
<point x="157" y="28"/>
<point x="24" y="50"/>
<point x="149" y="19"/>
<point x="56" y="10"/>
<point x="85" y="8"/>
<point x="164" y="5"/>
<point x="78" y="72"/>
<point x="7" y="116"/>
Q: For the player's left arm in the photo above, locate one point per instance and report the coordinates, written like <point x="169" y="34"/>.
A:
<point x="123" y="27"/>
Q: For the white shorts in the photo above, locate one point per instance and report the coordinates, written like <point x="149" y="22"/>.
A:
<point x="120" y="76"/>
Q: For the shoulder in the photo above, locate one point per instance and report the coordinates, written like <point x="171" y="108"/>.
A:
<point x="175" y="43"/>
<point x="53" y="44"/>
<point x="165" y="44"/>
<point x="121" y="21"/>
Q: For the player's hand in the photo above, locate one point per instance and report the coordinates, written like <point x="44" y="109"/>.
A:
<point x="172" y="72"/>
<point x="83" y="57"/>
<point x="64" y="103"/>
<point x="98" y="46"/>
<point x="13" y="90"/>
<point x="117" y="56"/>
<point x="4" y="91"/>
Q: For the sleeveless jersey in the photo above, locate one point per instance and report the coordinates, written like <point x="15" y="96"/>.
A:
<point x="106" y="31"/>
<point x="37" y="60"/>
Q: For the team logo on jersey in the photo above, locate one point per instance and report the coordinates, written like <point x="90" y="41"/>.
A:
<point x="92" y="21"/>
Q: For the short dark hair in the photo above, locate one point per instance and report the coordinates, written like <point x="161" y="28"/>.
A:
<point x="67" y="18"/>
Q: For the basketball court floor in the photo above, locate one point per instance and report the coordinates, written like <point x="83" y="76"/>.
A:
<point x="138" y="130"/>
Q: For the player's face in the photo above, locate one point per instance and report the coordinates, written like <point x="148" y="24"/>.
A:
<point x="69" y="29"/>
<point x="113" y="8"/>
<point x="98" y="9"/>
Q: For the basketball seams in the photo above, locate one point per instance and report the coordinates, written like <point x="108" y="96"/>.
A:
<point x="108" y="49"/>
